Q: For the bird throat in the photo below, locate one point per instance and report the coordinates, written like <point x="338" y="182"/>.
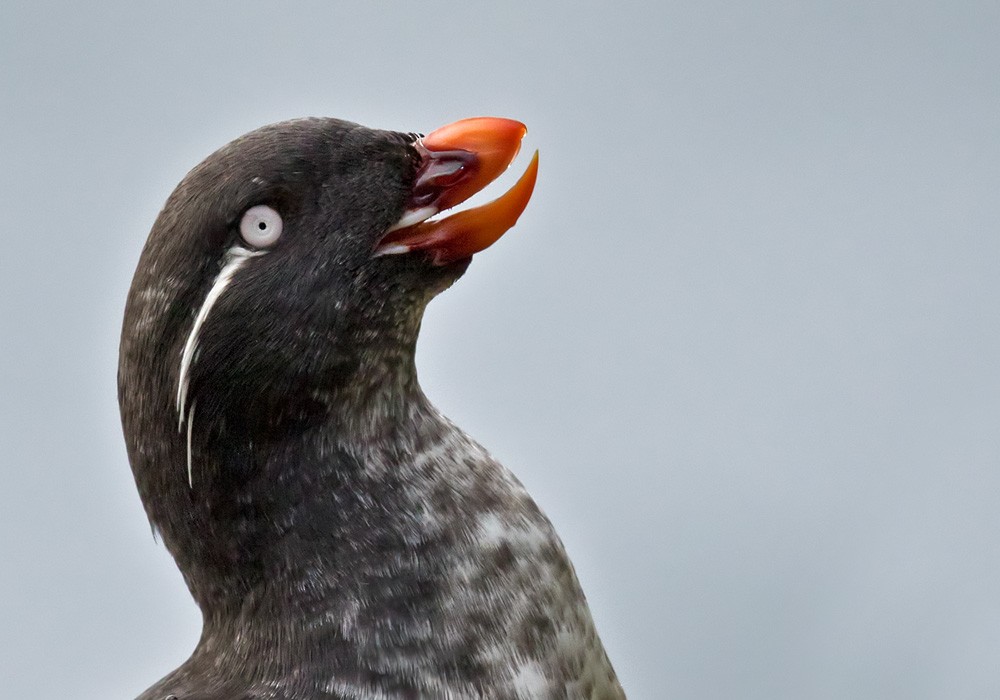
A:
<point x="283" y="508"/>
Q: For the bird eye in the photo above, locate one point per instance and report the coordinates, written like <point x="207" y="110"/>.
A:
<point x="261" y="226"/>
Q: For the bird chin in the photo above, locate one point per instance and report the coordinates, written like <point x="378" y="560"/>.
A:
<point x="447" y="274"/>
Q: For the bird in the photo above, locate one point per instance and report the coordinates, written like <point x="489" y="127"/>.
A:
<point x="342" y="538"/>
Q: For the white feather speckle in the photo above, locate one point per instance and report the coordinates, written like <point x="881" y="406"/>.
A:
<point x="530" y="682"/>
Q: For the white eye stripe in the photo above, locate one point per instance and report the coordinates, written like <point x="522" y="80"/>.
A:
<point x="235" y="258"/>
<point x="261" y="226"/>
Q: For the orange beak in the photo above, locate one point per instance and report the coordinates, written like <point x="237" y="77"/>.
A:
<point x="459" y="160"/>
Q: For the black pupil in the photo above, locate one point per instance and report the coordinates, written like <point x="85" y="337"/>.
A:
<point x="261" y="225"/>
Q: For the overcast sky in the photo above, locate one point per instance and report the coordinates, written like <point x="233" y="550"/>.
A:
<point x="742" y="347"/>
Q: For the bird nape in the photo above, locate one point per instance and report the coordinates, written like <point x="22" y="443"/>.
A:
<point x="342" y="538"/>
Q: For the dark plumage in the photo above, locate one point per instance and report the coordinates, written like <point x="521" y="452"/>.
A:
<point x="342" y="538"/>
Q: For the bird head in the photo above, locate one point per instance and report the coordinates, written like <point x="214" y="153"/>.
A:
<point x="302" y="253"/>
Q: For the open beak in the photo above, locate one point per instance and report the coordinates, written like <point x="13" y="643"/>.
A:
<point x="459" y="160"/>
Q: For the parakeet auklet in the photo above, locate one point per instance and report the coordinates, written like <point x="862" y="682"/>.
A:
<point x="342" y="538"/>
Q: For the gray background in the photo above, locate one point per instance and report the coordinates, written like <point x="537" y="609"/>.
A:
<point x="742" y="346"/>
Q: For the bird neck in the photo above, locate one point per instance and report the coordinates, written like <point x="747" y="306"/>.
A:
<point x="300" y="515"/>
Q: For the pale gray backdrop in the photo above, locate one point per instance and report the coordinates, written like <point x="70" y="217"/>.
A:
<point x="742" y="347"/>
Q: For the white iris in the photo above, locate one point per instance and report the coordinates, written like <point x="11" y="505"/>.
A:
<point x="261" y="226"/>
